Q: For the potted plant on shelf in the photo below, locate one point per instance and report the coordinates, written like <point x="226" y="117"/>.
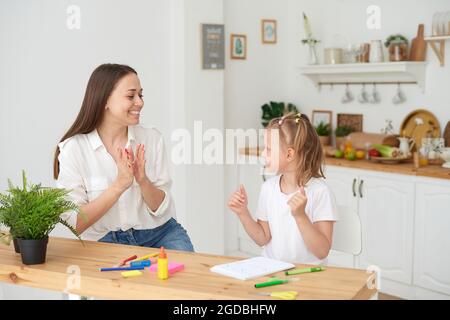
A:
<point x="341" y="133"/>
<point x="398" y="47"/>
<point x="323" y="130"/>
<point x="31" y="213"/>
<point x="273" y="110"/>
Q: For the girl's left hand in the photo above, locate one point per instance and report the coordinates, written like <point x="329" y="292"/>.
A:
<point x="138" y="162"/>
<point x="297" y="203"/>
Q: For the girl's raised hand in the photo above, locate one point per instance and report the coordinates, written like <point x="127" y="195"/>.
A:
<point x="297" y="202"/>
<point x="238" y="201"/>
<point x="124" y="169"/>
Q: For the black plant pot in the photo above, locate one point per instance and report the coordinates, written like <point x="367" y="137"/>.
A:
<point x="33" y="251"/>
<point x="16" y="245"/>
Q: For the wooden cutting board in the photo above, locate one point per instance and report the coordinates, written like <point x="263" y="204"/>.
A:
<point x="359" y="139"/>
<point x="429" y="126"/>
<point x="447" y="135"/>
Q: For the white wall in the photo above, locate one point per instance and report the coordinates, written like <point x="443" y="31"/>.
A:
<point x="251" y="83"/>
<point x="204" y="96"/>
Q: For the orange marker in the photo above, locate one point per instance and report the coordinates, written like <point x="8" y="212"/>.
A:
<point x="163" y="265"/>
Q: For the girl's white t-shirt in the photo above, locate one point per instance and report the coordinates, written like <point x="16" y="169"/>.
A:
<point x="287" y="242"/>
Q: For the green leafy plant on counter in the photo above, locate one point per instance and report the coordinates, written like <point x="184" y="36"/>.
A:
<point x="273" y="110"/>
<point x="323" y="129"/>
<point x="343" y="131"/>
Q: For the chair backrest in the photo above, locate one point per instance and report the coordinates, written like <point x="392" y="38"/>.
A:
<point x="347" y="232"/>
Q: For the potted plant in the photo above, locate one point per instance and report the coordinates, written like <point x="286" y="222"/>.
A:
<point x="323" y="130"/>
<point x="341" y="133"/>
<point x="31" y="213"/>
<point x="398" y="47"/>
<point x="273" y="110"/>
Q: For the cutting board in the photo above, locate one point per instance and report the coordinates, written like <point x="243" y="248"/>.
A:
<point x="418" y="46"/>
<point x="447" y="135"/>
<point x="359" y="139"/>
<point x="429" y="125"/>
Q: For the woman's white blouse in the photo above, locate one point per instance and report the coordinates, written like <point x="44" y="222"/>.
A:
<point x="88" y="169"/>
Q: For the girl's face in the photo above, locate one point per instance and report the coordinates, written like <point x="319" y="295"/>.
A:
<point x="125" y="102"/>
<point x="276" y="156"/>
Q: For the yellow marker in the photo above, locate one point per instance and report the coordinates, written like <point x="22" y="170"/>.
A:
<point x="146" y="257"/>
<point x="284" y="295"/>
<point x="129" y="274"/>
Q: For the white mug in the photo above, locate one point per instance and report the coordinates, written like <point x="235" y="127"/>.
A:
<point x="376" y="51"/>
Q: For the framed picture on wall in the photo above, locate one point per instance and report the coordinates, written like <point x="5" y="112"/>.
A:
<point x="213" y="46"/>
<point x="269" y="31"/>
<point x="238" y="46"/>
<point x="322" y="116"/>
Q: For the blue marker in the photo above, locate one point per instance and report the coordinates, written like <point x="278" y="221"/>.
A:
<point x="122" y="269"/>
<point x="144" y="263"/>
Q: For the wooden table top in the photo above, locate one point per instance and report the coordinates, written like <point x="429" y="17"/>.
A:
<point x="431" y="171"/>
<point x="196" y="281"/>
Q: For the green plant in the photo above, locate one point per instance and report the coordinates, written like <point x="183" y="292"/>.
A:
<point x="33" y="211"/>
<point x="273" y="110"/>
<point x="323" y="129"/>
<point x="395" y="38"/>
<point x="343" y="131"/>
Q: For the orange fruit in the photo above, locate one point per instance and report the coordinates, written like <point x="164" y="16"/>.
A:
<point x="360" y="154"/>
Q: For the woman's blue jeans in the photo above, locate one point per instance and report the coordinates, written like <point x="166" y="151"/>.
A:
<point x="170" y="235"/>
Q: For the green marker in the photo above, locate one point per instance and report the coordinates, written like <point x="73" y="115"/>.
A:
<point x="306" y="270"/>
<point x="273" y="282"/>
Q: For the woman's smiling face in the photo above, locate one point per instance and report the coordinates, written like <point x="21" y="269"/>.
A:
<point x="125" y="102"/>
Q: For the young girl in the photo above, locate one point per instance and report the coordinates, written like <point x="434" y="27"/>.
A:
<point x="116" y="169"/>
<point x="296" y="209"/>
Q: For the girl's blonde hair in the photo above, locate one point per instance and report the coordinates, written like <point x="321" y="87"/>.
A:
<point x="297" y="132"/>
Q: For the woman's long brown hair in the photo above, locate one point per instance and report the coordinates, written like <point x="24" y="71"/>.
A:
<point x="100" y="86"/>
<point x="297" y="132"/>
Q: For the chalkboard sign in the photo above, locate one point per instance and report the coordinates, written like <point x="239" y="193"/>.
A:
<point x="213" y="46"/>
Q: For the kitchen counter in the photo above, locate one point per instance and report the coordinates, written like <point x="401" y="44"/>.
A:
<point x="432" y="171"/>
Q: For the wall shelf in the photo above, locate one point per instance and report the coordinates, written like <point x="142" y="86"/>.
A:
<point x="437" y="43"/>
<point x="407" y="72"/>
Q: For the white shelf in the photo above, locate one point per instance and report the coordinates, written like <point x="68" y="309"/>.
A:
<point x="381" y="73"/>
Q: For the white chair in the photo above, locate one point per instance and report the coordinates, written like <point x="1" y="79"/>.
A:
<point x="347" y="232"/>
<point x="347" y="236"/>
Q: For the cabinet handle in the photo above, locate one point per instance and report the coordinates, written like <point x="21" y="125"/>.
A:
<point x="360" y="188"/>
<point x="353" y="187"/>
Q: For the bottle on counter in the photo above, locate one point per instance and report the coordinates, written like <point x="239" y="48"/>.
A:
<point x="163" y="265"/>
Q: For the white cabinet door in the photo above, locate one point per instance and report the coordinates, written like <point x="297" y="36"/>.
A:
<point x="250" y="175"/>
<point x="432" y="237"/>
<point x="386" y="209"/>
<point x="343" y="184"/>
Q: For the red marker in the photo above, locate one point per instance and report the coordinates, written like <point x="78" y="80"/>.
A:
<point x="124" y="262"/>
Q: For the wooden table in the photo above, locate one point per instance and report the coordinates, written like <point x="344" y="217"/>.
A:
<point x="195" y="282"/>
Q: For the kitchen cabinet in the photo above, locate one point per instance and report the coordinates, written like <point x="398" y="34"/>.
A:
<point x="385" y="204"/>
<point x="432" y="236"/>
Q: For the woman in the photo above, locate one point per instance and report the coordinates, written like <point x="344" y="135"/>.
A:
<point x="117" y="169"/>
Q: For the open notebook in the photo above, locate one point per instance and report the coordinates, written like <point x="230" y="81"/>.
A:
<point x="251" y="268"/>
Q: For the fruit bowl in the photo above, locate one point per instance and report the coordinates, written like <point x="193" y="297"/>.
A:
<point x="445" y="155"/>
